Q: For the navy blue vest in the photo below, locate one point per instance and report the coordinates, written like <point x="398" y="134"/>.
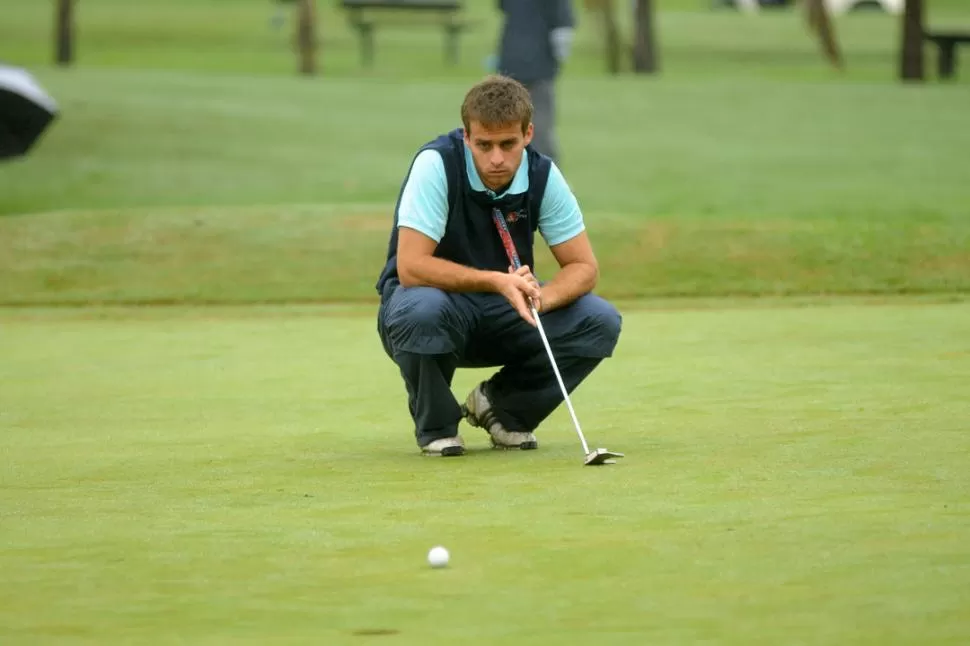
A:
<point x="471" y="238"/>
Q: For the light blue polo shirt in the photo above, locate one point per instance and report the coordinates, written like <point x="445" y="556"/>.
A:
<point x="424" y="200"/>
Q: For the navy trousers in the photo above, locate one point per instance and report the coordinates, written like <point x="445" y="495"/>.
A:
<point x="430" y="333"/>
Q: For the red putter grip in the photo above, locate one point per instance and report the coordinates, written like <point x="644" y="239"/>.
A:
<point x="503" y="233"/>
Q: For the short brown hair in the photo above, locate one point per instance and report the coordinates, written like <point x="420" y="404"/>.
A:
<point x="496" y="101"/>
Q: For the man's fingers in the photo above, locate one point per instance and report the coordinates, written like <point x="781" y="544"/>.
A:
<point x="530" y="288"/>
<point x="522" y="307"/>
<point x="527" y="315"/>
<point x="526" y="291"/>
<point x="526" y="273"/>
<point x="533" y="291"/>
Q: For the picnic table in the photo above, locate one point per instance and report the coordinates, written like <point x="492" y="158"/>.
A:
<point x="365" y="15"/>
<point x="946" y="43"/>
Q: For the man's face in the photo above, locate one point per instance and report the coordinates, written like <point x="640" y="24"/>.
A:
<point x="497" y="151"/>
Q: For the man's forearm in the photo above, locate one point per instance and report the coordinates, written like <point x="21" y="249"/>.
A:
<point x="571" y="282"/>
<point x="449" y="276"/>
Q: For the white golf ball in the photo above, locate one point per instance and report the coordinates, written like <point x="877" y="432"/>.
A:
<point x="438" y="557"/>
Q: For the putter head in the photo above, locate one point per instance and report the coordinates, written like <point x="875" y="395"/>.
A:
<point x="601" y="456"/>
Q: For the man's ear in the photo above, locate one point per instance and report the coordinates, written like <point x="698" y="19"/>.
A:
<point x="528" y="134"/>
<point x="468" y="133"/>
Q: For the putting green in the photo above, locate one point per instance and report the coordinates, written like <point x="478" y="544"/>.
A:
<point x="233" y="475"/>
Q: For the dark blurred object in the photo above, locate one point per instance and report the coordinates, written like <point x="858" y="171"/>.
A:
<point x="26" y="111"/>
<point x="946" y="44"/>
<point x="306" y="36"/>
<point x="611" y="31"/>
<point x="645" y="59"/>
<point x="64" y="32"/>
<point x="911" y="66"/>
<point x="820" y="20"/>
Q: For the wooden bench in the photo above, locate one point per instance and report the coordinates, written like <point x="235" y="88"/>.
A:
<point x="946" y="43"/>
<point x="364" y="15"/>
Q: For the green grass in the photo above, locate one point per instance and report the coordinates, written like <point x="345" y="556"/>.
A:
<point x="680" y="147"/>
<point x="192" y="165"/>
<point x="796" y="466"/>
<point x="333" y="253"/>
<point x="234" y="475"/>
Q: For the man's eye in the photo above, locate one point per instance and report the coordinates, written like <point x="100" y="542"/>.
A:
<point x="506" y="145"/>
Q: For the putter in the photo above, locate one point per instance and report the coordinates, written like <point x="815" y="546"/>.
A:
<point x="593" y="458"/>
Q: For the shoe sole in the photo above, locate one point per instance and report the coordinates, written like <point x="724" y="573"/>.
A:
<point x="524" y="446"/>
<point x="447" y="452"/>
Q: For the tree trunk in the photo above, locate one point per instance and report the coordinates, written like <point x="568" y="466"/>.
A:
<point x="644" y="39"/>
<point x="306" y="36"/>
<point x="612" y="32"/>
<point x="911" y="52"/>
<point x="64" y="32"/>
<point x="819" y="20"/>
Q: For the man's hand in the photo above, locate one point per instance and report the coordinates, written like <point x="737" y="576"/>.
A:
<point x="518" y="288"/>
<point x="526" y="273"/>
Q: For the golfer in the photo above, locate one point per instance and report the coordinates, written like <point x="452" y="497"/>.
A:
<point x="450" y="299"/>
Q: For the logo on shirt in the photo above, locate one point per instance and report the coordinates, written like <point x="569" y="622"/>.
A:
<point x="514" y="216"/>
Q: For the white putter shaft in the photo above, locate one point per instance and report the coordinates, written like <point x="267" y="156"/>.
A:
<point x="555" y="369"/>
<point x="599" y="456"/>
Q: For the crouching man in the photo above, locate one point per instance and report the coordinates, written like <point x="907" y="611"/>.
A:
<point x="449" y="298"/>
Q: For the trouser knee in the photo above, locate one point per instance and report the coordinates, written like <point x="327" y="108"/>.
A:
<point x="421" y="320"/>
<point x="599" y="325"/>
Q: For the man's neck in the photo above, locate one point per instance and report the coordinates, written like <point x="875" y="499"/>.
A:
<point x="501" y="189"/>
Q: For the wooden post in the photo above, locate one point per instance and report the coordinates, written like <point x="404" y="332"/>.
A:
<point x="612" y="33"/>
<point x="306" y="36"/>
<point x="644" y="39"/>
<point x="64" y="32"/>
<point x="911" y="66"/>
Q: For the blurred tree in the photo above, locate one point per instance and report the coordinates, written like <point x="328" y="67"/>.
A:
<point x="611" y="32"/>
<point x="911" y="50"/>
<point x="64" y="32"/>
<point x="645" y="55"/>
<point x="644" y="39"/>
<point x="821" y="22"/>
<point x="306" y="36"/>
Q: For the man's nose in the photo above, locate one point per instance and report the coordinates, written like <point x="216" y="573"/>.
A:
<point x="496" y="157"/>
